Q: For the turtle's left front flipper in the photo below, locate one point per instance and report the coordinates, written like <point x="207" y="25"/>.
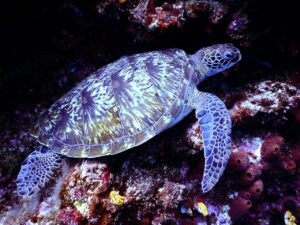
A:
<point x="36" y="170"/>
<point x="215" y="124"/>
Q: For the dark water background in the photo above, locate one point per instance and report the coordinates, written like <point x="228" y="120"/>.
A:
<point x="44" y="43"/>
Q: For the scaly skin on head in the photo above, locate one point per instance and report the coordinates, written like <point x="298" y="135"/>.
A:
<point x="214" y="59"/>
<point x="213" y="117"/>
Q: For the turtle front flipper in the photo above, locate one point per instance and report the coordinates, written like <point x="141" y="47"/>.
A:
<point x="215" y="124"/>
<point x="36" y="170"/>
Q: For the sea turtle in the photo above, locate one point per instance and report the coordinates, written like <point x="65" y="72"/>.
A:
<point x="126" y="103"/>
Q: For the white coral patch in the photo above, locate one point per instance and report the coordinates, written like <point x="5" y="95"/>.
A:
<point x="221" y="212"/>
<point x="271" y="97"/>
<point x="252" y="145"/>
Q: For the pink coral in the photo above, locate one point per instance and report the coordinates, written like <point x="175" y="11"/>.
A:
<point x="256" y="188"/>
<point x="239" y="207"/>
<point x="276" y="153"/>
<point x="239" y="161"/>
<point x="271" y="147"/>
<point x="252" y="172"/>
<point x="244" y="194"/>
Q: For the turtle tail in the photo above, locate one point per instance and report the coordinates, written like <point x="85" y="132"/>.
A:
<point x="36" y="170"/>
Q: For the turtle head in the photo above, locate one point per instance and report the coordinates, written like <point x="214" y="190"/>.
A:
<point x="216" y="58"/>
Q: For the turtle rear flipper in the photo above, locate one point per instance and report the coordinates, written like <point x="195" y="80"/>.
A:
<point x="36" y="170"/>
<point x="215" y="124"/>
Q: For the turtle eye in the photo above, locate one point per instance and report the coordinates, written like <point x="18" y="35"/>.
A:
<point x="228" y="54"/>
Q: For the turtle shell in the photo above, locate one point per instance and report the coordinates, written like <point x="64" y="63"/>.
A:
<point x="121" y="105"/>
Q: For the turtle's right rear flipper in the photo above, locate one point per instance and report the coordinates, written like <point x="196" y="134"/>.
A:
<point x="36" y="170"/>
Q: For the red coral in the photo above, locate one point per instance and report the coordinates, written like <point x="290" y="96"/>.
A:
<point x="271" y="147"/>
<point x="239" y="207"/>
<point x="251" y="174"/>
<point x="239" y="161"/>
<point x="277" y="155"/>
<point x="244" y="194"/>
<point x="288" y="164"/>
<point x="256" y="188"/>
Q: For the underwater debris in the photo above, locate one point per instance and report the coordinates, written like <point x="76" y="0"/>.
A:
<point x="272" y="147"/>
<point x="251" y="173"/>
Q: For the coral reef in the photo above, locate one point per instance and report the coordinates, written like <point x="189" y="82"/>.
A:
<point x="81" y="189"/>
<point x="239" y="207"/>
<point x="154" y="14"/>
<point x="266" y="97"/>
<point x="151" y="16"/>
